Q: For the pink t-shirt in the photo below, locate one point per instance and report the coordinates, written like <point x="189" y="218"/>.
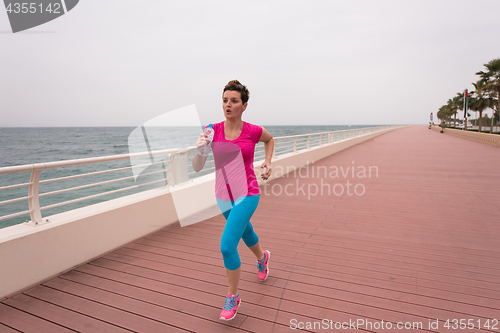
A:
<point x="234" y="174"/>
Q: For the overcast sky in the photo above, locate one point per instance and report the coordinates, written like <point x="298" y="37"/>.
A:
<point x="122" y="62"/>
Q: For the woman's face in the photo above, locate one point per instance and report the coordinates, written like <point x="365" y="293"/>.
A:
<point x="232" y="104"/>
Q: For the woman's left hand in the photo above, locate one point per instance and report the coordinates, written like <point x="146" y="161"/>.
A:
<point x="268" y="171"/>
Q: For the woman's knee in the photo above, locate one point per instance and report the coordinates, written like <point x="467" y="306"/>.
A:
<point x="230" y="256"/>
<point x="228" y="249"/>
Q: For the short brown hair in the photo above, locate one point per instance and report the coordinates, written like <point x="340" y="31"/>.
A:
<point x="235" y="85"/>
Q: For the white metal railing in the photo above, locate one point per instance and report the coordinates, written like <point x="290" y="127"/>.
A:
<point x="178" y="168"/>
<point x="33" y="196"/>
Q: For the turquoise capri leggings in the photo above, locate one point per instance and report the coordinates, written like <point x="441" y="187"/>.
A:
<point x="237" y="214"/>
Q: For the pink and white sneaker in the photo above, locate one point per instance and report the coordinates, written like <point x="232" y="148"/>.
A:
<point x="263" y="266"/>
<point x="230" y="307"/>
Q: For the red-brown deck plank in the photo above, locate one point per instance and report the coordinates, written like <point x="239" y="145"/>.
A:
<point x="352" y="297"/>
<point x="337" y="248"/>
<point x="160" y="286"/>
<point x="60" y="315"/>
<point x="6" y="329"/>
<point x="319" y="259"/>
<point x="153" y="307"/>
<point x="25" y="322"/>
<point x="332" y="272"/>
<point x="421" y="243"/>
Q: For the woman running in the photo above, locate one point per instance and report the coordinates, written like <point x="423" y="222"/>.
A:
<point x="236" y="188"/>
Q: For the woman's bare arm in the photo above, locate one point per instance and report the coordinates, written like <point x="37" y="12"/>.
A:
<point x="199" y="161"/>
<point x="268" y="140"/>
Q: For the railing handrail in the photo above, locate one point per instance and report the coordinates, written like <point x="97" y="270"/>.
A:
<point x="80" y="161"/>
<point x="317" y="133"/>
<point x="90" y="160"/>
<point x="176" y="171"/>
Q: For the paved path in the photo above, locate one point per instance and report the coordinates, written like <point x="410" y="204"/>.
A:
<point x="415" y="242"/>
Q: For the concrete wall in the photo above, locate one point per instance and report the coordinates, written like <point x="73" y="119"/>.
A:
<point x="490" y="139"/>
<point x="31" y="254"/>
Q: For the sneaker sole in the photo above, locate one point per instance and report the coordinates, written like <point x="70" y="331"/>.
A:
<point x="268" y="259"/>
<point x="222" y="318"/>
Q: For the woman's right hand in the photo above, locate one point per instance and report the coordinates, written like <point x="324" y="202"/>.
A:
<point x="202" y="140"/>
<point x="199" y="161"/>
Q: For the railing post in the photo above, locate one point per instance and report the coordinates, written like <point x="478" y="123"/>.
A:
<point x="170" y="176"/>
<point x="274" y="149"/>
<point x="295" y="145"/>
<point x="33" y="194"/>
<point x="177" y="169"/>
<point x="320" y="139"/>
<point x="308" y="138"/>
<point x="330" y="137"/>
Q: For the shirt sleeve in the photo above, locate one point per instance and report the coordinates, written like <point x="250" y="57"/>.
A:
<point x="217" y="132"/>
<point x="256" y="133"/>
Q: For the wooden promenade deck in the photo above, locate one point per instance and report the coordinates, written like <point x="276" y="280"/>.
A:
<point x="422" y="243"/>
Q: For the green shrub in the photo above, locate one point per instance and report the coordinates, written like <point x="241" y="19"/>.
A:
<point x="473" y="130"/>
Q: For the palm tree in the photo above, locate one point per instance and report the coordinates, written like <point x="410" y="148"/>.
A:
<point x="453" y="106"/>
<point x="444" y="114"/>
<point x="491" y="78"/>
<point x="449" y="110"/>
<point x="481" y="101"/>
<point x="496" y="114"/>
<point x="459" y="103"/>
<point x="441" y="114"/>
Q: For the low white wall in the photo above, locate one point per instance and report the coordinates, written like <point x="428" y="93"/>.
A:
<point x="490" y="139"/>
<point x="30" y="254"/>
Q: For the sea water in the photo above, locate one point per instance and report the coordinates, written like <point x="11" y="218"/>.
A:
<point x="31" y="145"/>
